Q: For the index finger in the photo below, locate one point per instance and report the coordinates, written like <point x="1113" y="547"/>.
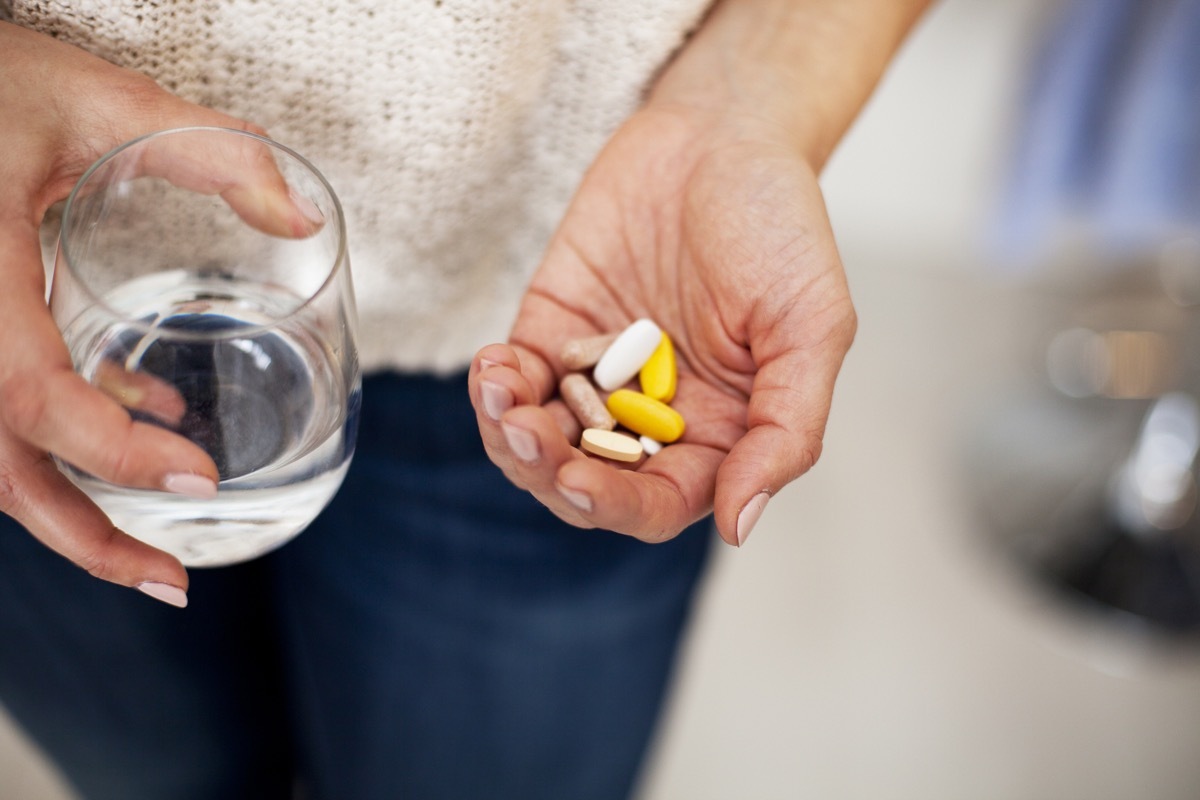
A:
<point x="654" y="503"/>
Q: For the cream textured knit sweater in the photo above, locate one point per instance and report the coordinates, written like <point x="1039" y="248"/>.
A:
<point x="455" y="131"/>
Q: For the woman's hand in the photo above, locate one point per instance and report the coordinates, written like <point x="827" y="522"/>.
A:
<point x="703" y="213"/>
<point x="60" y="109"/>
<point x="712" y="226"/>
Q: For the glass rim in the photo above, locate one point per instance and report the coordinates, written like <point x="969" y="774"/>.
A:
<point x="339" y="260"/>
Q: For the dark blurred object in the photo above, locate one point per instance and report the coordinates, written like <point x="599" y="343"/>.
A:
<point x="1047" y="477"/>
<point x="1156" y="579"/>
<point x="1087" y="483"/>
<point x="1129" y="542"/>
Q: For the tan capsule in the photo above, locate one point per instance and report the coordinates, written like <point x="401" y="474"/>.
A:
<point x="585" y="403"/>
<point x="584" y="353"/>
<point x="611" y="444"/>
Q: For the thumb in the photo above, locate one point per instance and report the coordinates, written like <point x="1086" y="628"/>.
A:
<point x="98" y="106"/>
<point x="786" y="417"/>
<point x="242" y="169"/>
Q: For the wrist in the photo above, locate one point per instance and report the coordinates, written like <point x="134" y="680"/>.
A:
<point x="802" y="68"/>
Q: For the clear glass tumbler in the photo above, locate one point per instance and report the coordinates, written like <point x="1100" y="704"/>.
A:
<point x="202" y="281"/>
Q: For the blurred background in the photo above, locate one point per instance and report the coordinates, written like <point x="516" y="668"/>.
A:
<point x="987" y="587"/>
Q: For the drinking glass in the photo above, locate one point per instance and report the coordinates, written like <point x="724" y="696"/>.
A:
<point x="186" y="289"/>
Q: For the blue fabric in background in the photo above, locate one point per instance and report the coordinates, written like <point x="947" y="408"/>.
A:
<point x="1109" y="134"/>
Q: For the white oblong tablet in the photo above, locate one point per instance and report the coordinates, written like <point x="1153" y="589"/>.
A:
<point x="610" y="444"/>
<point x="627" y="354"/>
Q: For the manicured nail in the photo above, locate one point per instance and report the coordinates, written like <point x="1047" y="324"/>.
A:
<point x="749" y="516"/>
<point x="189" y="485"/>
<point x="523" y="443"/>
<point x="581" y="500"/>
<point x="307" y="208"/>
<point x="496" y="399"/>
<point x="171" y="595"/>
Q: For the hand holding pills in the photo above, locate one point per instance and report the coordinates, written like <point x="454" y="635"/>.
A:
<point x="716" y="235"/>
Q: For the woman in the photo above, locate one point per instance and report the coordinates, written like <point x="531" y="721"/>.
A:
<point x="517" y="172"/>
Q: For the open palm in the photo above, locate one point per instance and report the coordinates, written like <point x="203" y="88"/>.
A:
<point x="716" y="230"/>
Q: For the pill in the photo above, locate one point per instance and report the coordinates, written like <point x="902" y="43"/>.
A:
<point x="651" y="446"/>
<point x="584" y="353"/>
<point x="626" y="355"/>
<point x="581" y="397"/>
<point x="611" y="444"/>
<point x="645" y="415"/>
<point x="657" y="376"/>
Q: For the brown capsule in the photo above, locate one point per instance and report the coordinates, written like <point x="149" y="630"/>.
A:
<point x="584" y="353"/>
<point x="585" y="403"/>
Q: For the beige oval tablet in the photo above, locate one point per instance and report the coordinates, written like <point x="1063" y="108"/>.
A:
<point x="610" y="444"/>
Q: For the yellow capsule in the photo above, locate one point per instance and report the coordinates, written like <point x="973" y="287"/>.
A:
<point x="645" y="415"/>
<point x="657" y="375"/>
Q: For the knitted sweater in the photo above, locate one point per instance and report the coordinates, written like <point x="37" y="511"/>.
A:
<point x="455" y="131"/>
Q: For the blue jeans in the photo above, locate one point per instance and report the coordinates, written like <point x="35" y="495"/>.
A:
<point x="435" y="634"/>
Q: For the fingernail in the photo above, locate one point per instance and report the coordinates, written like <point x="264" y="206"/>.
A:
<point x="171" y="595"/>
<point x="749" y="515"/>
<point x="189" y="485"/>
<point x="307" y="208"/>
<point x="581" y="500"/>
<point x="487" y="363"/>
<point x="496" y="399"/>
<point x="523" y="443"/>
<point x="128" y="396"/>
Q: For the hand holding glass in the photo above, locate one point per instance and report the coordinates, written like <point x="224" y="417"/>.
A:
<point x="202" y="282"/>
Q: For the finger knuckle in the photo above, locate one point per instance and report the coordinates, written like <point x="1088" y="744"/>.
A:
<point x="96" y="560"/>
<point x="658" y="535"/>
<point x="259" y="162"/>
<point x="251" y="127"/>
<point x="139" y="96"/>
<point x="809" y="454"/>
<point x="23" y="406"/>
<point x="850" y="324"/>
<point x="117" y="463"/>
<point x="11" y="495"/>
